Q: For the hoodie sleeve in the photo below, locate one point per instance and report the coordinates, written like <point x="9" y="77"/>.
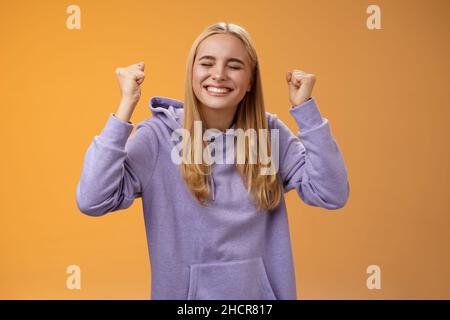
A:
<point x="116" y="168"/>
<point x="311" y="162"/>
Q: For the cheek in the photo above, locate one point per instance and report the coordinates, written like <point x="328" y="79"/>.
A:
<point x="195" y="84"/>
<point x="242" y="81"/>
<point x="197" y="78"/>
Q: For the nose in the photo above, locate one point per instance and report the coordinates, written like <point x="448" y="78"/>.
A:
<point x="218" y="73"/>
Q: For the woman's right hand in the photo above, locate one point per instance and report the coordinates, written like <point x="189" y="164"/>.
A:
<point x="130" y="79"/>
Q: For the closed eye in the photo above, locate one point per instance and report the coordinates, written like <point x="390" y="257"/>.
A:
<point x="209" y="65"/>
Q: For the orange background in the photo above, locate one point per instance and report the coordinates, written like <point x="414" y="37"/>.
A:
<point x="385" y="93"/>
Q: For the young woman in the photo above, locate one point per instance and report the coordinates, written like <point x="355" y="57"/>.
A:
<point x="214" y="230"/>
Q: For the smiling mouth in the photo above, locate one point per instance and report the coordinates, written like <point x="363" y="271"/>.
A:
<point x="217" y="91"/>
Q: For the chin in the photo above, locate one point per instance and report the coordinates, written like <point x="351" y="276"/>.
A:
<point x="216" y="105"/>
<point x="217" y="102"/>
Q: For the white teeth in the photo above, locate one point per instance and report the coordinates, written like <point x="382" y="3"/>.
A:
<point x="218" y="90"/>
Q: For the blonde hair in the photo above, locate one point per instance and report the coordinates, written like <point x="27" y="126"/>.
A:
<point x="266" y="190"/>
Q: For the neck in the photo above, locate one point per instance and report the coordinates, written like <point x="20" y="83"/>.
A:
<point x="219" y="119"/>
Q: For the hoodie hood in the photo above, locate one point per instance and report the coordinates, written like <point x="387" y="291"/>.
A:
<point x="169" y="111"/>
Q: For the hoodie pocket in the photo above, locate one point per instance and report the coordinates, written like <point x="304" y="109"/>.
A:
<point x="231" y="280"/>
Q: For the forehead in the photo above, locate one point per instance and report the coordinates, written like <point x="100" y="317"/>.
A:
<point x="222" y="46"/>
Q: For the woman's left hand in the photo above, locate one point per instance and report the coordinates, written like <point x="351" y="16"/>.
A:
<point x="300" y="86"/>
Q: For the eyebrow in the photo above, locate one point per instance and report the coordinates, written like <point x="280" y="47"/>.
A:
<point x="231" y="59"/>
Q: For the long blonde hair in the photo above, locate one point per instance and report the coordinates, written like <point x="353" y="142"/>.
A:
<point x="266" y="190"/>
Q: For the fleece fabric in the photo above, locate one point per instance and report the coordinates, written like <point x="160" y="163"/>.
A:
<point x="228" y="249"/>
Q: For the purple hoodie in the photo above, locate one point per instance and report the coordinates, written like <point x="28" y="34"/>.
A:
<point x="229" y="249"/>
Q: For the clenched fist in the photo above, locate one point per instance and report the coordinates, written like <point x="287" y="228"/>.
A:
<point x="130" y="79"/>
<point x="300" y="86"/>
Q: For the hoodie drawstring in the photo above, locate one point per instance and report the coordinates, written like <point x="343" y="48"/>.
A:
<point x="212" y="186"/>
